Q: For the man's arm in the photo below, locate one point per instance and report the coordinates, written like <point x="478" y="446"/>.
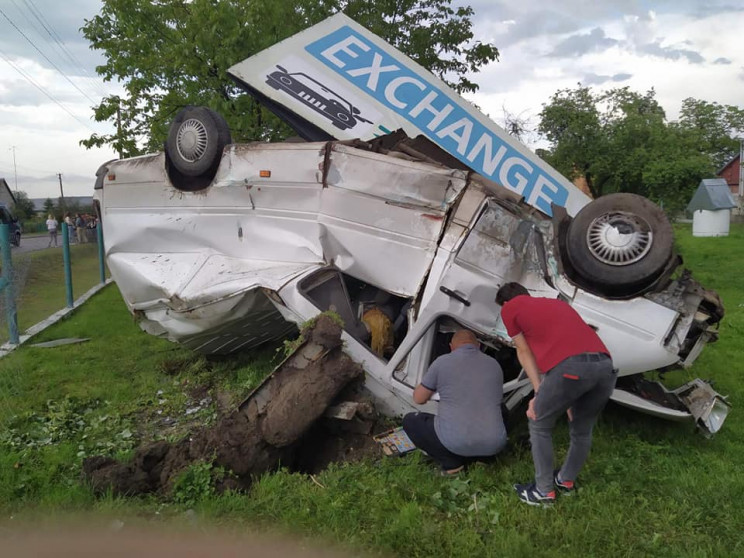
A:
<point x="422" y="394"/>
<point x="527" y="360"/>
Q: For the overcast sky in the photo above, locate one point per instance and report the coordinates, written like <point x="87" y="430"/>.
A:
<point x="681" y="48"/>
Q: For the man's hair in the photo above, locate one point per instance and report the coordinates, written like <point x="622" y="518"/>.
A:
<point x="509" y="291"/>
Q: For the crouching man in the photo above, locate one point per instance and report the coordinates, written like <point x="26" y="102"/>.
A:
<point x="469" y="422"/>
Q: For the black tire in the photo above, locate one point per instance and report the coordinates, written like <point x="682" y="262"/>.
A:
<point x="620" y="243"/>
<point x="196" y="140"/>
<point x="17" y="240"/>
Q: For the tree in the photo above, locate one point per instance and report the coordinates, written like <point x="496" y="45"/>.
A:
<point x="620" y="141"/>
<point x="173" y="53"/>
<point x="24" y="207"/>
<point x="716" y="127"/>
<point x="69" y="205"/>
<point x="49" y="207"/>
<point x="571" y="123"/>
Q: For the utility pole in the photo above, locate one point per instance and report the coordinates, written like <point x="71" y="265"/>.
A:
<point x="741" y="168"/>
<point x="62" y="193"/>
<point x="118" y="127"/>
<point x="15" y="170"/>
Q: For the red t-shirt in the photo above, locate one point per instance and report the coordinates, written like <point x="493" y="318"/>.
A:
<point x="553" y="330"/>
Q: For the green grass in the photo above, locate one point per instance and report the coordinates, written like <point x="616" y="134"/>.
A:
<point x="650" y="487"/>
<point x="40" y="289"/>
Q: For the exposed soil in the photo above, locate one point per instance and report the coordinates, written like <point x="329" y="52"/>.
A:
<point x="268" y="427"/>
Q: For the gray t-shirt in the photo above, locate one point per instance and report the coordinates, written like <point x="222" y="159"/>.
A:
<point x="471" y="387"/>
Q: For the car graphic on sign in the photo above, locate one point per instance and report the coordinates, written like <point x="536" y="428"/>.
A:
<point x="339" y="111"/>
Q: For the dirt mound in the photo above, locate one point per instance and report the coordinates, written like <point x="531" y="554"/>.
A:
<point x="253" y="439"/>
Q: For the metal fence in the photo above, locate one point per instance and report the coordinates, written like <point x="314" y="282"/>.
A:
<point x="7" y="280"/>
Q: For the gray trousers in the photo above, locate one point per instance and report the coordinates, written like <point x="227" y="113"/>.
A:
<point x="582" y="383"/>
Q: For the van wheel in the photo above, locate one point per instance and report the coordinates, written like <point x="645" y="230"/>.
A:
<point x="620" y="243"/>
<point x="196" y="139"/>
<point x="17" y="239"/>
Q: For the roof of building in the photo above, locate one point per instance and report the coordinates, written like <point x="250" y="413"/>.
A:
<point x="712" y="194"/>
<point x="729" y="163"/>
<point x="7" y="193"/>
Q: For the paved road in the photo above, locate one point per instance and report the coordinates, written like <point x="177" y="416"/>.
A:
<point x="33" y="243"/>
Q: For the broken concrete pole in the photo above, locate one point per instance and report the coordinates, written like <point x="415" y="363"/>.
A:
<point x="253" y="439"/>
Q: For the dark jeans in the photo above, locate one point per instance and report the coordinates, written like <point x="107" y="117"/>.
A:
<point x="420" y="429"/>
<point x="582" y="383"/>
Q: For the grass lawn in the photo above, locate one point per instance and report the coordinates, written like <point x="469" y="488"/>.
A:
<point x="40" y="289"/>
<point x="650" y="487"/>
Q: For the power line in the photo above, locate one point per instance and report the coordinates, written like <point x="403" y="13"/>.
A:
<point x="37" y="26"/>
<point x="49" y="28"/>
<point x="46" y="57"/>
<point x="40" y="88"/>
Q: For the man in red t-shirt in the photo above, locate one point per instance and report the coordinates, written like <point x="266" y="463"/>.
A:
<point x="570" y="370"/>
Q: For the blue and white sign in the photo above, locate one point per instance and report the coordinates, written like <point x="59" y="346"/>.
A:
<point x="398" y="93"/>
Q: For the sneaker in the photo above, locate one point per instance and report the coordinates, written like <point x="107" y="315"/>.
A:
<point x="529" y="494"/>
<point x="452" y="472"/>
<point x="566" y="487"/>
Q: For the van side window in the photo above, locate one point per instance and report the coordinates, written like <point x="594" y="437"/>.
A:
<point x="374" y="317"/>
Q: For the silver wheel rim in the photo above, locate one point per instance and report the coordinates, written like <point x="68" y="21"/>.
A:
<point x="192" y="140"/>
<point x="619" y="238"/>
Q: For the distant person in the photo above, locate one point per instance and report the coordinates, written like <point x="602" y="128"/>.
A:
<point x="80" y="229"/>
<point x="468" y="423"/>
<point x="51" y="225"/>
<point x="571" y="372"/>
<point x="70" y="228"/>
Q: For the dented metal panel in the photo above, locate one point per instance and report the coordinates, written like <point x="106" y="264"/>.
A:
<point x="396" y="180"/>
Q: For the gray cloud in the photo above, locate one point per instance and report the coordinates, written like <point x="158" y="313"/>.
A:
<point x="722" y="60"/>
<point x="596" y="79"/>
<point x="48" y="186"/>
<point x="526" y="20"/>
<point x="584" y="43"/>
<point x="20" y="93"/>
<point x="61" y="24"/>
<point x="671" y="53"/>
<point x="710" y="7"/>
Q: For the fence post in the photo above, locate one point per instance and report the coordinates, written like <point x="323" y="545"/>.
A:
<point x="66" y="257"/>
<point x="101" y="266"/>
<point x="6" y="282"/>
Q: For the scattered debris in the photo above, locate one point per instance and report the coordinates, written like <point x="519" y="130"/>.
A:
<point x="255" y="438"/>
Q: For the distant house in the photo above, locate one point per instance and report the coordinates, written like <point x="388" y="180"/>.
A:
<point x="733" y="173"/>
<point x="6" y="196"/>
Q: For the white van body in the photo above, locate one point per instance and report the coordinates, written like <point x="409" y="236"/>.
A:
<point x="286" y="231"/>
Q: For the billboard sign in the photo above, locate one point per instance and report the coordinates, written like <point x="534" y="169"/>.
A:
<point x="351" y="84"/>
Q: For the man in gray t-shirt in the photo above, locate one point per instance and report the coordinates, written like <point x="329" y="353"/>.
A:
<point x="469" y="422"/>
